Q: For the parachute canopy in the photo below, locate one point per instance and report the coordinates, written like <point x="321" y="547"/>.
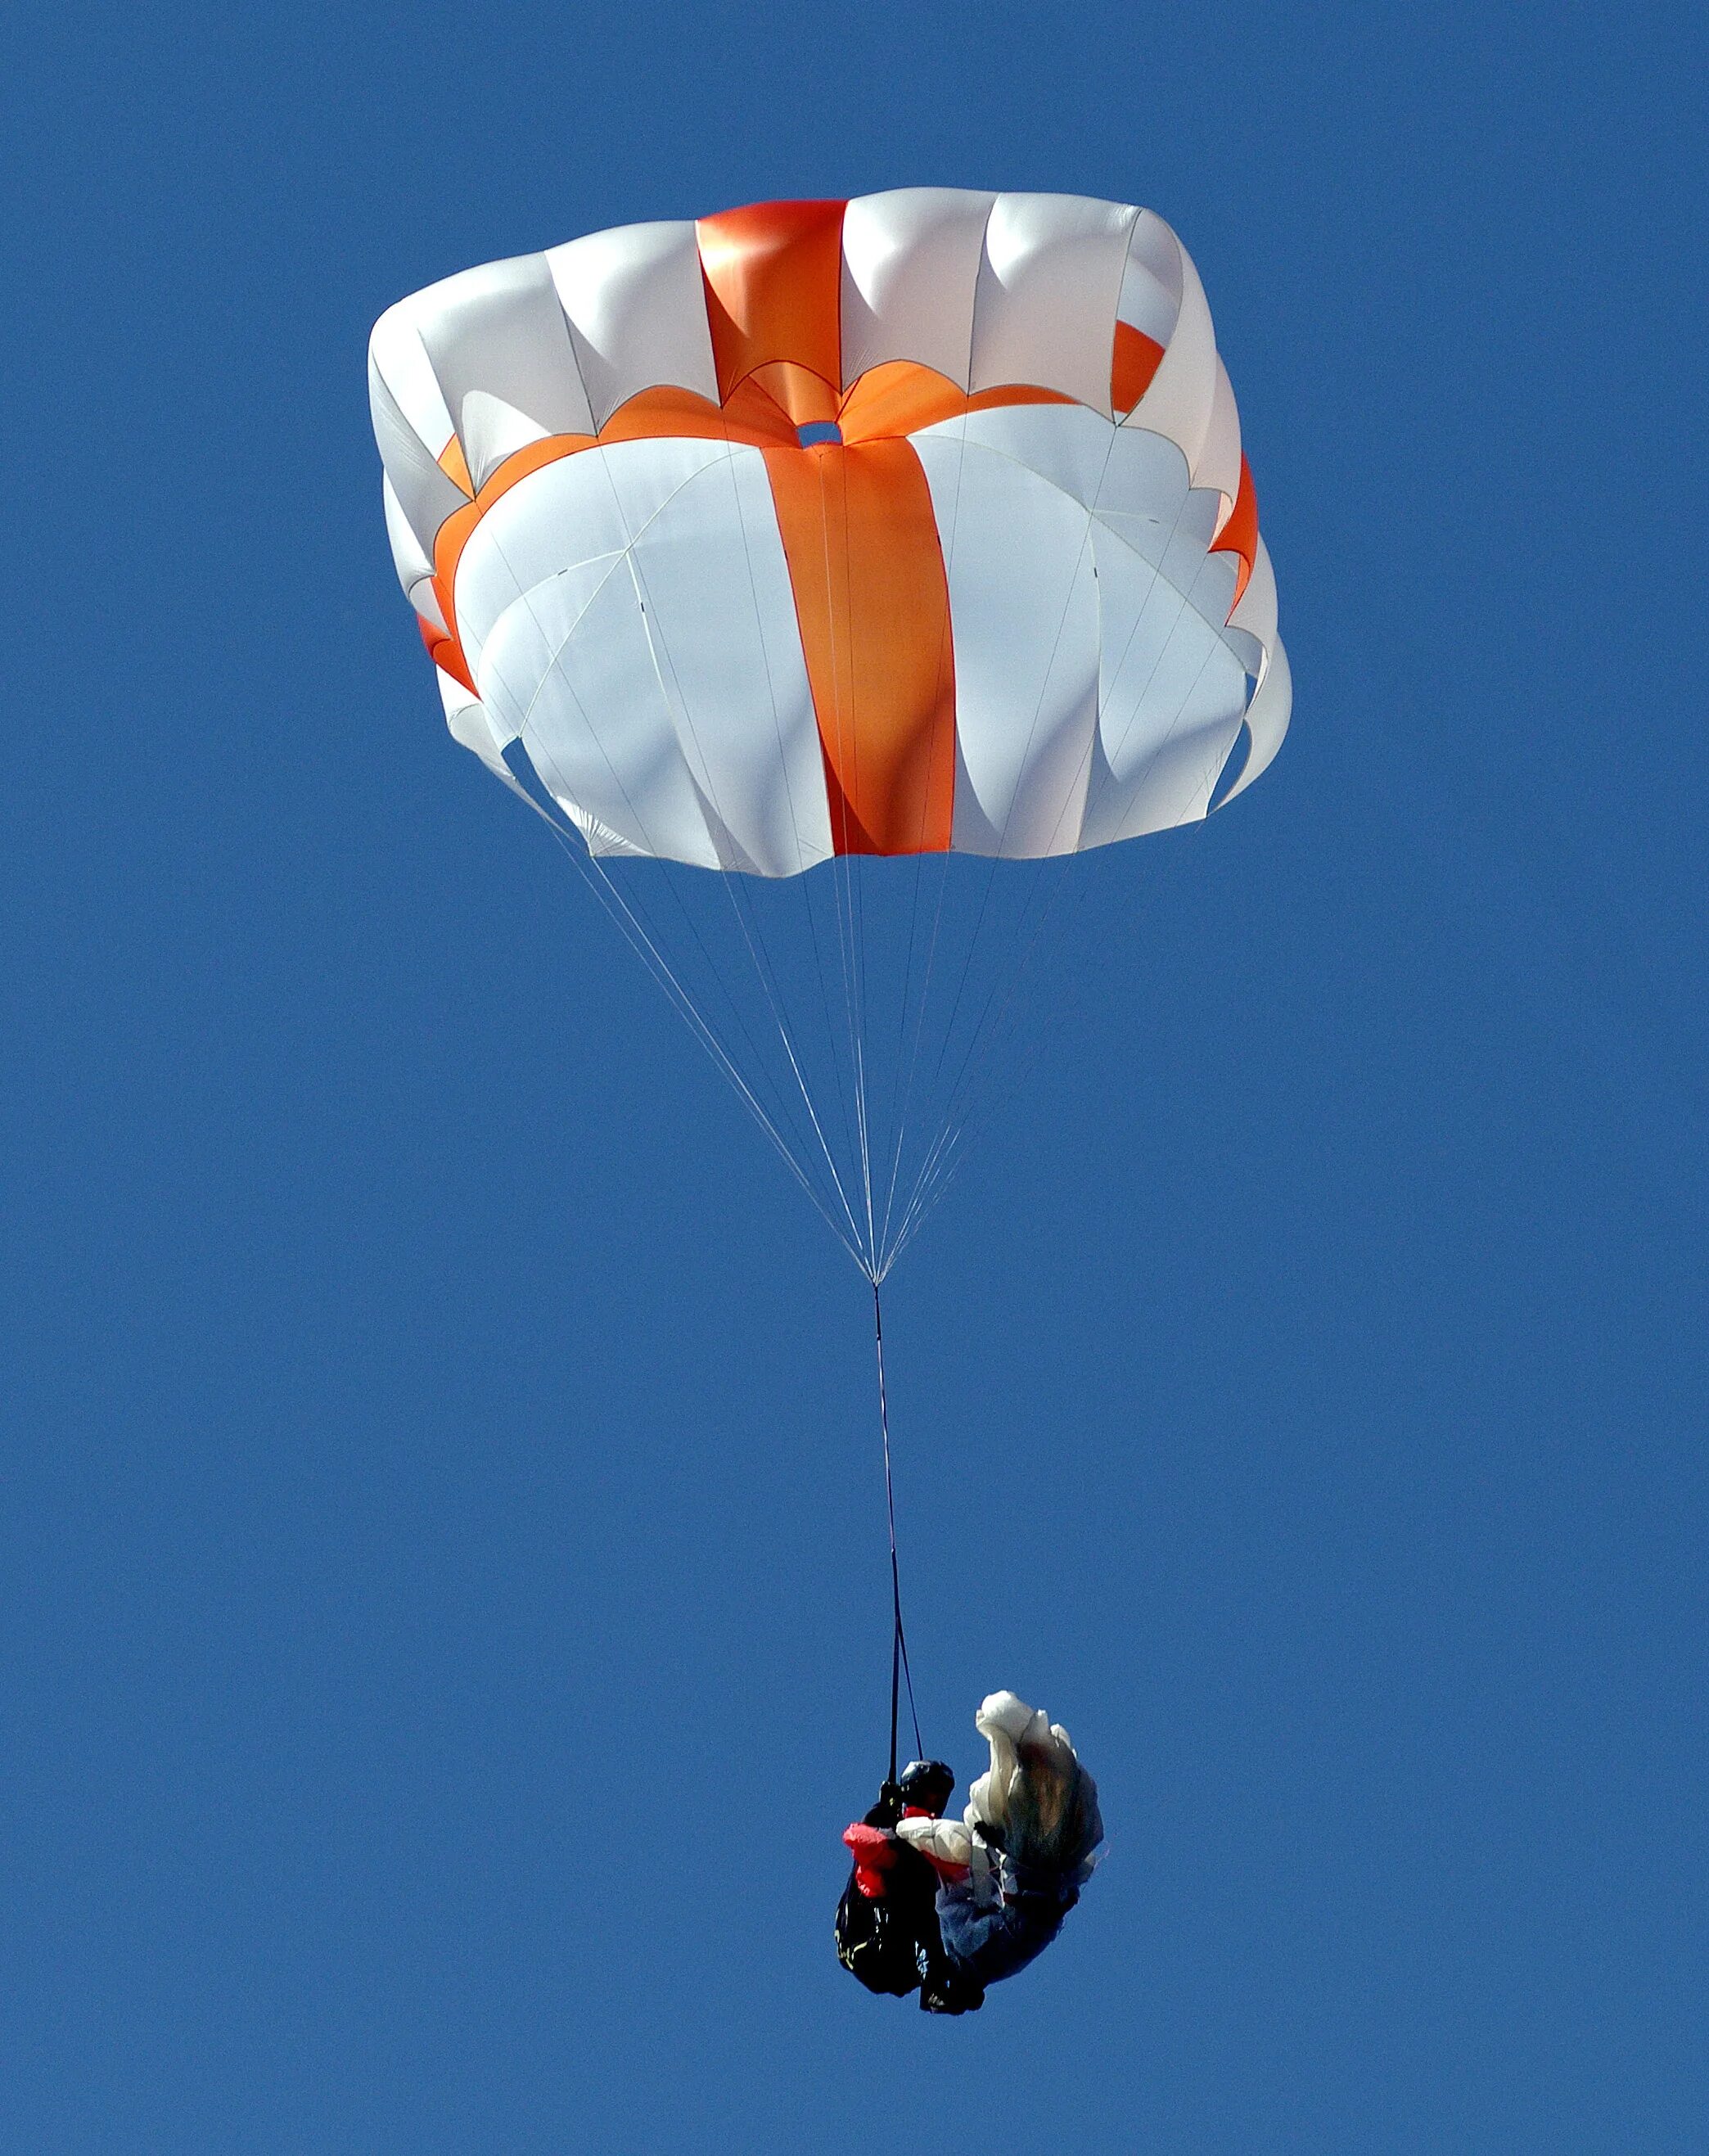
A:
<point x="910" y="525"/>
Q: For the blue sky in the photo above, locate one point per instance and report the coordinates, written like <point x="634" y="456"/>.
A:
<point x="442" y="1580"/>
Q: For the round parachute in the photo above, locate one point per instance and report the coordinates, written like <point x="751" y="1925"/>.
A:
<point x="862" y="537"/>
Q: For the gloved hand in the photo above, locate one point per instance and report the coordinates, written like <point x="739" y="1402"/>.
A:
<point x="947" y="1845"/>
<point x="875" y="1853"/>
<point x="888" y="1808"/>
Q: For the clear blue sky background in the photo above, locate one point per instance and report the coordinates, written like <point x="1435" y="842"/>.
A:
<point x="444" y="1602"/>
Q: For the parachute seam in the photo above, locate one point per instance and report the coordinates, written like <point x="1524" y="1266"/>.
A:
<point x="599" y="450"/>
<point x="1102" y="517"/>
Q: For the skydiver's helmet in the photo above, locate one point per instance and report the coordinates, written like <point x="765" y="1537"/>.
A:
<point x="926" y="1785"/>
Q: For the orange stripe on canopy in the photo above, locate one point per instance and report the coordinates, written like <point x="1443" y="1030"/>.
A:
<point x="803" y="395"/>
<point x="1239" y="534"/>
<point x="1134" y="358"/>
<point x="455" y="466"/>
<point x="873" y="604"/>
<point x="446" y="654"/>
<point x="901" y="396"/>
<point x="774" y="288"/>
<point x="748" y="415"/>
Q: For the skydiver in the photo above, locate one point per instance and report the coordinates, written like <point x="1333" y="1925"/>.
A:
<point x="1007" y="1873"/>
<point x="886" y="1929"/>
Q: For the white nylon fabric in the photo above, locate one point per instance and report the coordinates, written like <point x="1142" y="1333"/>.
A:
<point x="397" y="354"/>
<point x="710" y="571"/>
<point x="424" y="494"/>
<point x="1218" y="464"/>
<point x="911" y="269"/>
<point x="1152" y="280"/>
<point x="636" y="305"/>
<point x="493" y="430"/>
<point x="1098" y="693"/>
<point x="570" y="512"/>
<point x="1179" y="399"/>
<point x="409" y="557"/>
<point x="425" y="600"/>
<point x="1174" y="696"/>
<point x="1045" y="308"/>
<point x="469" y="723"/>
<point x="656" y="678"/>
<point x="568" y="672"/>
<point x="500" y="351"/>
<point x="1024" y="602"/>
<point x="1267" y="718"/>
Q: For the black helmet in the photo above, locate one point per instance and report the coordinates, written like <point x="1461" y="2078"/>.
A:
<point x="927" y="1783"/>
